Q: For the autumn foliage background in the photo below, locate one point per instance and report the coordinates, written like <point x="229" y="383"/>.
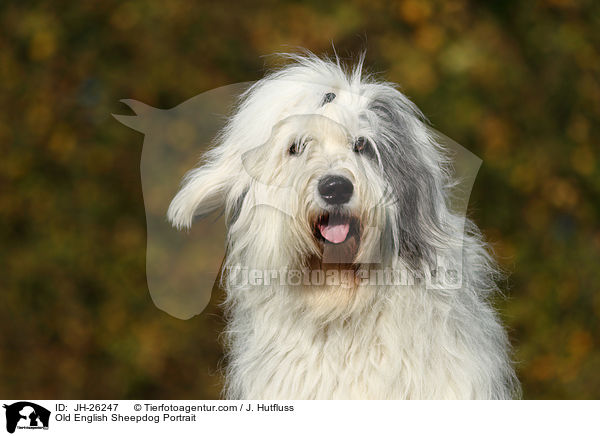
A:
<point x="515" y="82"/>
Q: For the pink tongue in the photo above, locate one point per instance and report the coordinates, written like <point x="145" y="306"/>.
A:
<point x="335" y="233"/>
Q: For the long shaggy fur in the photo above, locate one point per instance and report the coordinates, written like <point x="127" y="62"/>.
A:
<point x="328" y="341"/>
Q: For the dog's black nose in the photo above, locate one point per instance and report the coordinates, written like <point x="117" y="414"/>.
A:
<point x="335" y="189"/>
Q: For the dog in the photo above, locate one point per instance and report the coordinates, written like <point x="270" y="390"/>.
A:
<point x="325" y="175"/>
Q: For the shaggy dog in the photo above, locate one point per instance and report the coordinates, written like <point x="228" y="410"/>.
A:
<point x="326" y="176"/>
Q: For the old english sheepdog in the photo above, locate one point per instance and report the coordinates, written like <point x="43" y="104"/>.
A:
<point x="327" y="175"/>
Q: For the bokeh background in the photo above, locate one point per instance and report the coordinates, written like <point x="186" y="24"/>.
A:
<point x="517" y="83"/>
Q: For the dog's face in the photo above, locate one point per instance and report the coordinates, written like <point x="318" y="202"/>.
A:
<point x="320" y="169"/>
<point x="325" y="193"/>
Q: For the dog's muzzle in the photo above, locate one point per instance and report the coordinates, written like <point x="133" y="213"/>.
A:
<point x="335" y="190"/>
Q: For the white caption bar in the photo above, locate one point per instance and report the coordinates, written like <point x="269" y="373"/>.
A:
<point x="23" y="417"/>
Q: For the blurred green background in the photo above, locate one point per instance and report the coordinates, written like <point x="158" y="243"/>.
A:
<point x="517" y="83"/>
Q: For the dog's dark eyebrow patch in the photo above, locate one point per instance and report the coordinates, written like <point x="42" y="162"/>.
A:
<point x="382" y="110"/>
<point x="329" y="97"/>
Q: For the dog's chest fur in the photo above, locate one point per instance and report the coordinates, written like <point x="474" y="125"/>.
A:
<point x="408" y="344"/>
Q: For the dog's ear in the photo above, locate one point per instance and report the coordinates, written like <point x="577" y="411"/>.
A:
<point x="203" y="191"/>
<point x="413" y="167"/>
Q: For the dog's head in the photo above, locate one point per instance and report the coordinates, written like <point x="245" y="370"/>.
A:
<point x="320" y="167"/>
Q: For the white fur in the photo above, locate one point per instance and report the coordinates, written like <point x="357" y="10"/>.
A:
<point x="333" y="341"/>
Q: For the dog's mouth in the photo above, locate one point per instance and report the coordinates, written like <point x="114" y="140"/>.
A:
<point x="338" y="237"/>
<point x="335" y="228"/>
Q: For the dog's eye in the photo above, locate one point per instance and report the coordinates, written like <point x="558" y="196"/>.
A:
<point x="294" y="148"/>
<point x="361" y="145"/>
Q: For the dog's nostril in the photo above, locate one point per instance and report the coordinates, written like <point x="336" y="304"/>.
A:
<point x="336" y="189"/>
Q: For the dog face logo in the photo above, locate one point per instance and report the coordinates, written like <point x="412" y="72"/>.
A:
<point x="26" y="415"/>
<point x="309" y="176"/>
